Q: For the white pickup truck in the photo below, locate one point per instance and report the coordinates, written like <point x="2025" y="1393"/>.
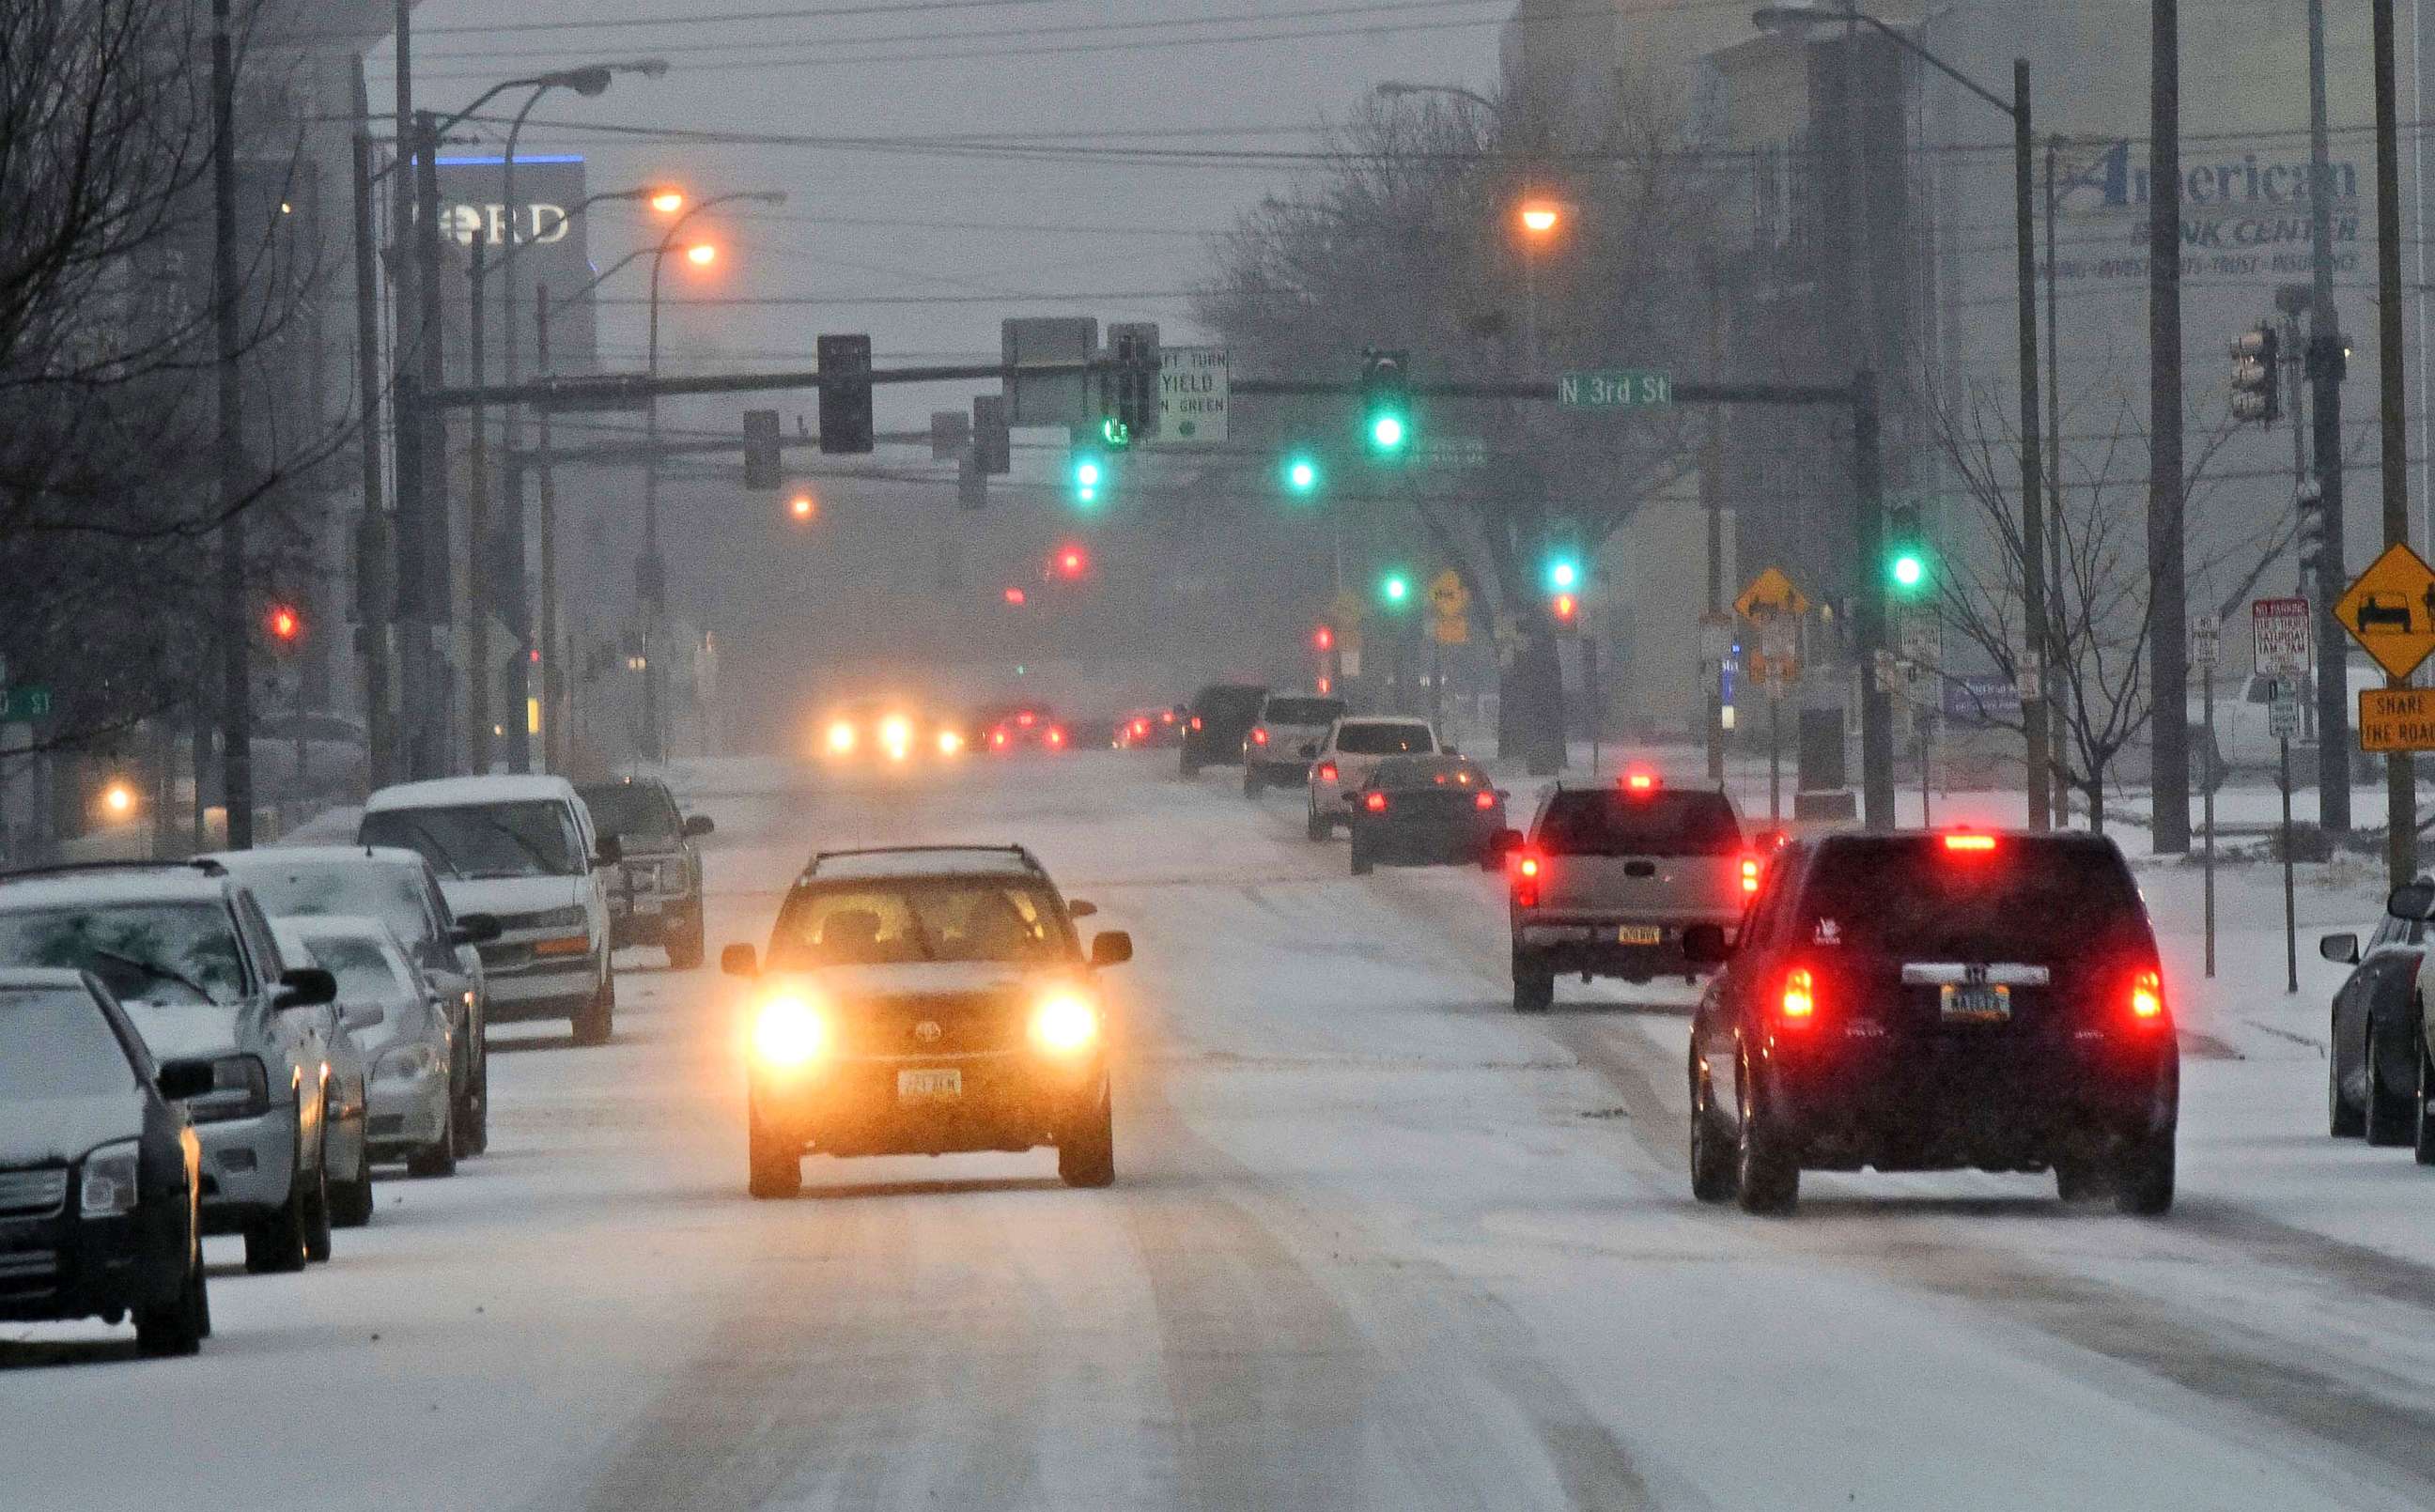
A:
<point x="2243" y="740"/>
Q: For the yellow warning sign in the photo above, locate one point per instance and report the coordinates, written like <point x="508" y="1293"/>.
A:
<point x="1771" y="595"/>
<point x="2396" y="718"/>
<point x="2391" y="610"/>
<point x="1448" y="596"/>
<point x="1453" y="629"/>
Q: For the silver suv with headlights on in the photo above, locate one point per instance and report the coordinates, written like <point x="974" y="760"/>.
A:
<point x="185" y="950"/>
<point x="923" y="999"/>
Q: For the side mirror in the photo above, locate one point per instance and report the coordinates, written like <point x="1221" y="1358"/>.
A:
<point x="364" y="1015"/>
<point x="2413" y="901"/>
<point x="184" y="1080"/>
<point x="698" y="825"/>
<point x="1111" y="948"/>
<point x="2342" y="950"/>
<point x="1704" y="945"/>
<point x="1310" y="750"/>
<point x="475" y="929"/>
<point x="611" y="853"/>
<point x="1081" y="907"/>
<point x="739" y="960"/>
<point x="306" y="987"/>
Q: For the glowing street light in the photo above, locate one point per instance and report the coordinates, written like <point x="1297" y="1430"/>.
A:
<point x="668" y="202"/>
<point x="1540" y="217"/>
<point x="804" y="507"/>
<point x="118" y="801"/>
<point x="701" y="254"/>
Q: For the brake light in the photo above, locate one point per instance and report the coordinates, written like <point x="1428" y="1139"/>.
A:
<point x="1374" y="803"/>
<point x="1800" y="1003"/>
<point x="1056" y="737"/>
<point x="997" y="738"/>
<point x="1750" y="874"/>
<point x="1970" y="844"/>
<point x="1640" y="782"/>
<point x="1167" y="716"/>
<point x="1327" y="771"/>
<point x="2148" y="998"/>
<point x="1196" y="721"/>
<point x="1526" y="881"/>
<point x="1141" y="727"/>
<point x="1259" y="736"/>
<point x="1484" y="801"/>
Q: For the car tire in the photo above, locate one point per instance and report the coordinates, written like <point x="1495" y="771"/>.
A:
<point x="1714" y="1174"/>
<point x="179" y="1326"/>
<point x="2423" y="1120"/>
<point x="776" y="1166"/>
<point x="2143" y="1182"/>
<point x="2077" y="1180"/>
<point x="1534" y="984"/>
<point x="350" y="1201"/>
<point x="685" y="948"/>
<point x="274" y="1244"/>
<point x="2386" y="1118"/>
<point x="476" y="1112"/>
<point x="1315" y="829"/>
<point x="317" y="1212"/>
<point x="1253" y="785"/>
<point x="1360" y="858"/>
<point x="2342" y="1121"/>
<point x="597" y="1020"/>
<point x="1767" y="1177"/>
<point x="1086" y="1154"/>
<point x="438" y="1158"/>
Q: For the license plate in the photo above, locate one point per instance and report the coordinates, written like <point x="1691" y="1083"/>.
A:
<point x="1976" y="1005"/>
<point x="929" y="1085"/>
<point x="1639" y="934"/>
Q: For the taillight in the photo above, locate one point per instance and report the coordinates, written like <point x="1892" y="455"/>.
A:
<point x="1374" y="803"/>
<point x="2148" y="998"/>
<point x="1525" y="879"/>
<point x="1327" y="771"/>
<point x="1484" y="801"/>
<point x="1968" y="843"/>
<point x="1141" y="727"/>
<point x="1798" y="1005"/>
<point x="1025" y="719"/>
<point x="1259" y="736"/>
<point x="1639" y="782"/>
<point x="997" y="739"/>
<point x="1750" y="874"/>
<point x="1196" y="721"/>
<point x="1057" y="737"/>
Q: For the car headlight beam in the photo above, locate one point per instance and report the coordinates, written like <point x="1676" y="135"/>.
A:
<point x="841" y="738"/>
<point x="1065" y="1024"/>
<point x="788" y="1033"/>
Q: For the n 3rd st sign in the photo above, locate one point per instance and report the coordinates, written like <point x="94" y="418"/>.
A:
<point x="1615" y="389"/>
<point x="2396" y="719"/>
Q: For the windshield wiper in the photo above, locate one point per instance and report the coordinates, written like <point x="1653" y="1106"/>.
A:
<point x="156" y="971"/>
<point x="548" y="868"/>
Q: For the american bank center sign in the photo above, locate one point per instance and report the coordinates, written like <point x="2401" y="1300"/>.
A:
<point x="2248" y="214"/>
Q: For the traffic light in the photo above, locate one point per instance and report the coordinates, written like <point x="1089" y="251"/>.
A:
<point x="762" y="473"/>
<point x="992" y="442"/>
<point x="1301" y="475"/>
<point x="2256" y="376"/>
<point x="2310" y="538"/>
<point x="1090" y="472"/>
<point x="1133" y="386"/>
<point x="1386" y="402"/>
<point x="1907" y="558"/>
<point x="1324" y="639"/>
<point x="1395" y="588"/>
<point x="845" y="406"/>
<point x="1564" y="572"/>
<point x="1565" y="610"/>
<point x="803" y="508"/>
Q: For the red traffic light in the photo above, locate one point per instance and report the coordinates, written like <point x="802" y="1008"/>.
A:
<point x="285" y="622"/>
<point x="1566" y="609"/>
<point x="1324" y="638"/>
<point x="1017" y="597"/>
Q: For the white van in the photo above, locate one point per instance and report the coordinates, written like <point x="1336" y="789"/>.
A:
<point x="522" y="849"/>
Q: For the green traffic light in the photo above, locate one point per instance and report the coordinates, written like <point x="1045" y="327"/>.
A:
<point x="1395" y="588"/>
<point x="1909" y="570"/>
<point x="1563" y="574"/>
<point x="1115" y="433"/>
<point x="1388" y="432"/>
<point x="1087" y="475"/>
<point x="1301" y="475"/>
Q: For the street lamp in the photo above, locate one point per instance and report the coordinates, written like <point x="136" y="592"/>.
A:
<point x="1799" y="20"/>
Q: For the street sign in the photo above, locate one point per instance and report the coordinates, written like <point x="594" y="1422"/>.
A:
<point x="19" y="704"/>
<point x="1348" y="659"/>
<point x="1770" y="595"/>
<point x="2206" y="641"/>
<point x="1716" y="637"/>
<point x="1447" y="595"/>
<point x="1615" y="388"/>
<point x="2283" y="711"/>
<point x="1452" y="452"/>
<point x="2396" y="718"/>
<point x="1922" y="639"/>
<point x="2278" y="630"/>
<point x="1193" y="386"/>
<point x="2390" y="610"/>
<point x="1981" y="700"/>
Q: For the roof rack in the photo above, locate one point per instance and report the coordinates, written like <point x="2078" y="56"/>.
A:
<point x="1030" y="861"/>
<point x="203" y="865"/>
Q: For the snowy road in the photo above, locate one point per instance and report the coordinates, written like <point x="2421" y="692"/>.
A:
<point x="1375" y="1243"/>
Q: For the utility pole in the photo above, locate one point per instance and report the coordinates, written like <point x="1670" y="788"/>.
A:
<point x="1712" y="497"/>
<point x="2401" y="780"/>
<point x="2058" y="720"/>
<point x="236" y="627"/>
<point x="1877" y="707"/>
<point x="417" y="696"/>
<point x="2168" y="620"/>
<point x="2325" y="367"/>
<point x="2033" y="578"/>
<point x="477" y="522"/>
<point x="553" y="676"/>
<point x="435" y="642"/>
<point x="371" y="540"/>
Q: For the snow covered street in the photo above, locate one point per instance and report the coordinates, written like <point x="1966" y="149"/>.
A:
<point x="1376" y="1241"/>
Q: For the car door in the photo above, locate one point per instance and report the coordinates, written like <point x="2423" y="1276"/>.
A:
<point x="299" y="1037"/>
<point x="595" y="878"/>
<point x="1716" y="1023"/>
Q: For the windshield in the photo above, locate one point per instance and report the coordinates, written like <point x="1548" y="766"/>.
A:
<point x="1303" y="711"/>
<point x="632" y="811"/>
<point x="534" y="839"/>
<point x="367" y="889"/>
<point x="172" y="954"/>
<point x="54" y="1043"/>
<point x="363" y="968"/>
<point x="964" y="919"/>
<point x="1609" y="823"/>
<point x="1913" y="896"/>
<point x="1367" y="739"/>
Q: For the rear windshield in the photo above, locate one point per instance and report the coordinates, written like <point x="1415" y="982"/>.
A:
<point x="1608" y="823"/>
<point x="632" y="811"/>
<point x="1912" y="895"/>
<point x="1429" y="771"/>
<point x="1228" y="703"/>
<point x="1384" y="740"/>
<point x="1303" y="711"/>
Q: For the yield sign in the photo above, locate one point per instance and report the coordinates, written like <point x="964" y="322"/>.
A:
<point x="2390" y="610"/>
<point x="1771" y="595"/>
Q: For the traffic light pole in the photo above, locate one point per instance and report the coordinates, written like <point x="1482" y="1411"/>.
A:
<point x="2325" y="370"/>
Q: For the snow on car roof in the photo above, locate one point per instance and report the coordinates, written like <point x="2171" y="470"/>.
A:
<point x="916" y="860"/>
<point x="275" y="857"/>
<point x="167" y="883"/>
<point x="464" y="792"/>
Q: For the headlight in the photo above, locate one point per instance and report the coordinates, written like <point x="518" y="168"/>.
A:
<point x="240" y="1089"/>
<point x="949" y="743"/>
<point x="410" y="1062"/>
<point x="1064" y="1023"/>
<point x="109" y="1181"/>
<point x="555" y="918"/>
<point x="840" y="738"/>
<point x="896" y="733"/>
<point x="788" y="1033"/>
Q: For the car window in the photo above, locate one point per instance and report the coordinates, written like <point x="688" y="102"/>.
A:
<point x="636" y="811"/>
<point x="1303" y="711"/>
<point x="363" y="889"/>
<point x="1912" y="895"/>
<point x="1609" y="822"/>
<point x="363" y="971"/>
<point x="1228" y="703"/>
<point x="954" y="920"/>
<point x="1369" y="738"/>
<point x="2382" y="933"/>
<point x="55" y="1043"/>
<point x="536" y="838"/>
<point x="180" y="954"/>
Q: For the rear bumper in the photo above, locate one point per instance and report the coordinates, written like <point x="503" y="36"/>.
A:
<point x="1010" y="1100"/>
<point x="1595" y="946"/>
<point x="1291" y="773"/>
<point x="63" y="1266"/>
<point x="1459" y="844"/>
<point x="652" y="921"/>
